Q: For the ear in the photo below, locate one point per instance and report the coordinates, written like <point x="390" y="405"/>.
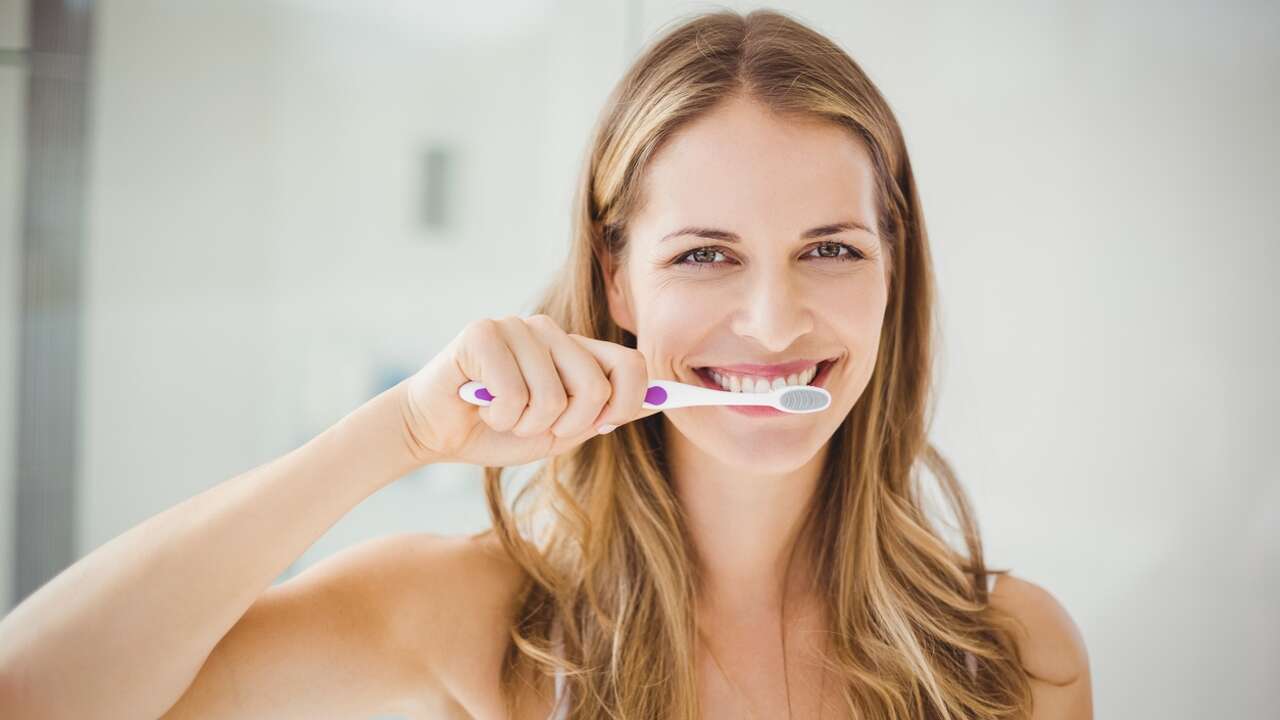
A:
<point x="618" y="294"/>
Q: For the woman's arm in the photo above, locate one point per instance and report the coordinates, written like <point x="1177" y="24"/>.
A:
<point x="125" y="630"/>
<point x="339" y="640"/>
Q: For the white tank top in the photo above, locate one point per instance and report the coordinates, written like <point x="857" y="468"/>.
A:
<point x="561" y="709"/>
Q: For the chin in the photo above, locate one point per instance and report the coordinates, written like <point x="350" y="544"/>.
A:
<point x="754" y="451"/>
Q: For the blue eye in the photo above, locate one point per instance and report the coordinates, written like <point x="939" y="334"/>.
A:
<point x="708" y="253"/>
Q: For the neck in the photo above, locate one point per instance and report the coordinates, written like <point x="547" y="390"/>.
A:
<point x="745" y="527"/>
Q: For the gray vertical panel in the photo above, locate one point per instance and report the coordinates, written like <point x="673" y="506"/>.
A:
<point x="439" y="181"/>
<point x="52" y="247"/>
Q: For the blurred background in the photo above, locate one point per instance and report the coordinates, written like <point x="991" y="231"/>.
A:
<point x="224" y="225"/>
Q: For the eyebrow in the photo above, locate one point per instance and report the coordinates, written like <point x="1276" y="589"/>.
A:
<point x="729" y="237"/>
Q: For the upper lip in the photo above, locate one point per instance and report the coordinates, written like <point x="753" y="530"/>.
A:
<point x="774" y="370"/>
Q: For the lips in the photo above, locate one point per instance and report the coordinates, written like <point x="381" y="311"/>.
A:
<point x="768" y="371"/>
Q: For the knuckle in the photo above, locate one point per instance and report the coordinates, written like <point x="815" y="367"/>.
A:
<point x="548" y="397"/>
<point x="600" y="391"/>
<point x="480" y="326"/>
<point x="500" y="421"/>
<point x="515" y="399"/>
<point x="555" y="402"/>
<point x="543" y="321"/>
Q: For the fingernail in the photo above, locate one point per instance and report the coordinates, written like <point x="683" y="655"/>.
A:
<point x="605" y="428"/>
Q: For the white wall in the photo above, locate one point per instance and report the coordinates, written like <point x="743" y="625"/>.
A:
<point x="257" y="265"/>
<point x="13" y="99"/>
<point x="1095" y="178"/>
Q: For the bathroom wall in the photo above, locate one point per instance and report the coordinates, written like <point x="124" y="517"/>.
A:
<point x="261" y="259"/>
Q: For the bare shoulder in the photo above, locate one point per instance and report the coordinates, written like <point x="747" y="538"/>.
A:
<point x="411" y="624"/>
<point x="452" y="598"/>
<point x="1052" y="649"/>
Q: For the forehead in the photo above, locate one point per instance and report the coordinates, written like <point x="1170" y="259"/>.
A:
<point x="741" y="165"/>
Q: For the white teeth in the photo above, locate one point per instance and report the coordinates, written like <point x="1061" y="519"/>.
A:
<point x="735" y="383"/>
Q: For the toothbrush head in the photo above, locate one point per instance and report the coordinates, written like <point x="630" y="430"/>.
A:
<point x="671" y="394"/>
<point x="804" y="399"/>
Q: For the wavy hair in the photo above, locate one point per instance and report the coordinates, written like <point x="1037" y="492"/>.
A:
<point x="611" y="563"/>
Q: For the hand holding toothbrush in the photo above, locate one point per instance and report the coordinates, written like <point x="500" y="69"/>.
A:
<point x="551" y="391"/>
<point x="543" y="391"/>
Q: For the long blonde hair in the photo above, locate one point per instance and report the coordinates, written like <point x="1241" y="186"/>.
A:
<point x="612" y="565"/>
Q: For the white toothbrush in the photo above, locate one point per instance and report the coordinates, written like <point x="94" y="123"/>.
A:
<point x="670" y="394"/>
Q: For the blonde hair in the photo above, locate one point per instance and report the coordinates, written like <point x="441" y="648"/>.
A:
<point x="613" y="566"/>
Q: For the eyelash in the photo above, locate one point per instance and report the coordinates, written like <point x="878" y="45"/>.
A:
<point x="852" y="255"/>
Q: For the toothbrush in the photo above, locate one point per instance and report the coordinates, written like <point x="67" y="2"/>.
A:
<point x="670" y="394"/>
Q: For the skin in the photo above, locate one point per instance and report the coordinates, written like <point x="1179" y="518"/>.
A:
<point x="416" y="624"/>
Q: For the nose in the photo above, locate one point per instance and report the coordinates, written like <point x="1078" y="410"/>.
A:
<point x="775" y="312"/>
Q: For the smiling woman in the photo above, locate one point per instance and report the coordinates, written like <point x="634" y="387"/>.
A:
<point x="748" y="218"/>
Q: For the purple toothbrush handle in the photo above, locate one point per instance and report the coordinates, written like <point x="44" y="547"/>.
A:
<point x="477" y="394"/>
<point x="655" y="395"/>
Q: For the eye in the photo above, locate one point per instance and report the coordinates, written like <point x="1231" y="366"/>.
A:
<point x="836" y="247"/>
<point x="705" y="256"/>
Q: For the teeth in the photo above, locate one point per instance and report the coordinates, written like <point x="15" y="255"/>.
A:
<point x="744" y="383"/>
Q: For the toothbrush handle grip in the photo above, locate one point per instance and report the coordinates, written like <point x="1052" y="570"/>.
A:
<point x="477" y="394"/>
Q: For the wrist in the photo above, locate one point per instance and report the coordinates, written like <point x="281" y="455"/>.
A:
<point x="410" y="419"/>
<point x="374" y="439"/>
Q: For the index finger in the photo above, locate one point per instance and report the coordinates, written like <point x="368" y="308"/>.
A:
<point x="629" y="375"/>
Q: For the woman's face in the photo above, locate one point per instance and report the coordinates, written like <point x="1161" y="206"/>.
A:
<point x="756" y="255"/>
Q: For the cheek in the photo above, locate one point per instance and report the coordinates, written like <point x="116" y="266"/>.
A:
<point x="857" y="307"/>
<point x="670" y="323"/>
<point x="864" y="321"/>
<point x="858" y="325"/>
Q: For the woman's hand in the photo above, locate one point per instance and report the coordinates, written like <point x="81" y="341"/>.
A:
<point x="552" y="391"/>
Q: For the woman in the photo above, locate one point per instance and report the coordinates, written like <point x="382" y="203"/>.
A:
<point x="747" y="217"/>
